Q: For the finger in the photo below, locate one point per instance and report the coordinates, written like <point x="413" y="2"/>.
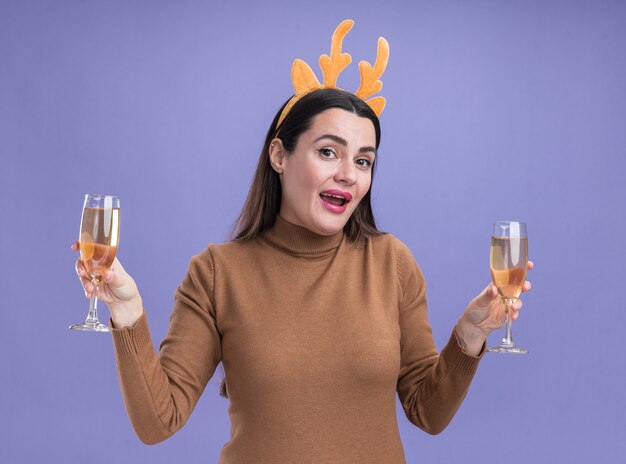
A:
<point x="108" y="276"/>
<point x="530" y="265"/>
<point x="483" y="300"/>
<point x="79" y="267"/>
<point x="117" y="266"/>
<point x="527" y="286"/>
<point x="490" y="292"/>
<point x="75" y="246"/>
<point x="87" y="287"/>
<point x="80" y="270"/>
<point x="83" y="276"/>
<point x="115" y="279"/>
<point x="85" y="281"/>
<point x="116" y="272"/>
<point x="515" y="308"/>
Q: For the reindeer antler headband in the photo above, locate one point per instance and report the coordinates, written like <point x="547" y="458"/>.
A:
<point x="304" y="80"/>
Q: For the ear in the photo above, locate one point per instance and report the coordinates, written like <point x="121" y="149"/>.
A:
<point x="277" y="155"/>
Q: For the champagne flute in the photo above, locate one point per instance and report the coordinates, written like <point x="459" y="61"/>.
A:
<point x="508" y="262"/>
<point x="99" y="237"/>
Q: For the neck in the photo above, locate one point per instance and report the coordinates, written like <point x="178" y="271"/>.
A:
<point x="301" y="241"/>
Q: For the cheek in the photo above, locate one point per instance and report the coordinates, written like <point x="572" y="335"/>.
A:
<point x="312" y="179"/>
<point x="365" y="185"/>
<point x="302" y="184"/>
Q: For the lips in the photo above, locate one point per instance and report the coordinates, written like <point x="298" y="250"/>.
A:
<point x="335" y="200"/>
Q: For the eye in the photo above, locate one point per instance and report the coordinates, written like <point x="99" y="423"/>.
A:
<point x="364" y="163"/>
<point x="327" y="153"/>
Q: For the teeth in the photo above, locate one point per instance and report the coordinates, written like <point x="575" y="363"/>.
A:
<point x="334" y="196"/>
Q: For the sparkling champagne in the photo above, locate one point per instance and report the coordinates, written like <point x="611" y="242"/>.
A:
<point x="99" y="235"/>
<point x="509" y="259"/>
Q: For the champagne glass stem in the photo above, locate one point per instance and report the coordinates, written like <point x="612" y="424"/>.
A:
<point x="508" y="326"/>
<point x="507" y="345"/>
<point x="92" y="324"/>
<point x="92" y="316"/>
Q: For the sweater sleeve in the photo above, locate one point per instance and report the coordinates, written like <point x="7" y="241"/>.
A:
<point x="161" y="389"/>
<point x="431" y="385"/>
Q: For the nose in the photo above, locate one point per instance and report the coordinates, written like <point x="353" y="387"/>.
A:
<point x="346" y="173"/>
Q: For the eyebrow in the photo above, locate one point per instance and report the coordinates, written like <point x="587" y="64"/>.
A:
<point x="342" y="141"/>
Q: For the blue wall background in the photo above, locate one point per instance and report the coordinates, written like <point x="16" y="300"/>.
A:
<point x="496" y="110"/>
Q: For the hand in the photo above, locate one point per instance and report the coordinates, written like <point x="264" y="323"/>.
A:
<point x="117" y="289"/>
<point x="484" y="314"/>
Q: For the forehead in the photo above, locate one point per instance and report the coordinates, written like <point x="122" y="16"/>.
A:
<point x="356" y="130"/>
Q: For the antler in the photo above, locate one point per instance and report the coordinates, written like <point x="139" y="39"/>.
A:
<point x="305" y="81"/>
<point x="335" y="63"/>
<point x="370" y="75"/>
<point x="377" y="104"/>
<point x="303" y="77"/>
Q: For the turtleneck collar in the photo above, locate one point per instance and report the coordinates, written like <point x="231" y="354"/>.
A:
<point x="300" y="241"/>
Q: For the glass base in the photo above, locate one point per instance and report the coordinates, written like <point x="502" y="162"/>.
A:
<point x="507" y="348"/>
<point x="91" y="327"/>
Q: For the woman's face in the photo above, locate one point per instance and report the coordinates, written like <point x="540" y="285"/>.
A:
<point x="329" y="172"/>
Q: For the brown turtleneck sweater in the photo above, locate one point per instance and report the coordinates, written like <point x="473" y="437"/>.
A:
<point x="316" y="336"/>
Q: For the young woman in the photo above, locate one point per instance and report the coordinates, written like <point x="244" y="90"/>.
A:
<point x="318" y="317"/>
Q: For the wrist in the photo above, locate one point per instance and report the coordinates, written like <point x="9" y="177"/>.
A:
<point x="470" y="337"/>
<point x="126" y="314"/>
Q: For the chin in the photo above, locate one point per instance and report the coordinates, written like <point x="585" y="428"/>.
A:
<point x="330" y="227"/>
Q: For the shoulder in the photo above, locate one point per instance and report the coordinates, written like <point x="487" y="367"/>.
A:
<point x="227" y="253"/>
<point x="389" y="243"/>
<point x="405" y="264"/>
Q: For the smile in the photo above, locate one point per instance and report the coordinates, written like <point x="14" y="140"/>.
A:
<point x="335" y="201"/>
